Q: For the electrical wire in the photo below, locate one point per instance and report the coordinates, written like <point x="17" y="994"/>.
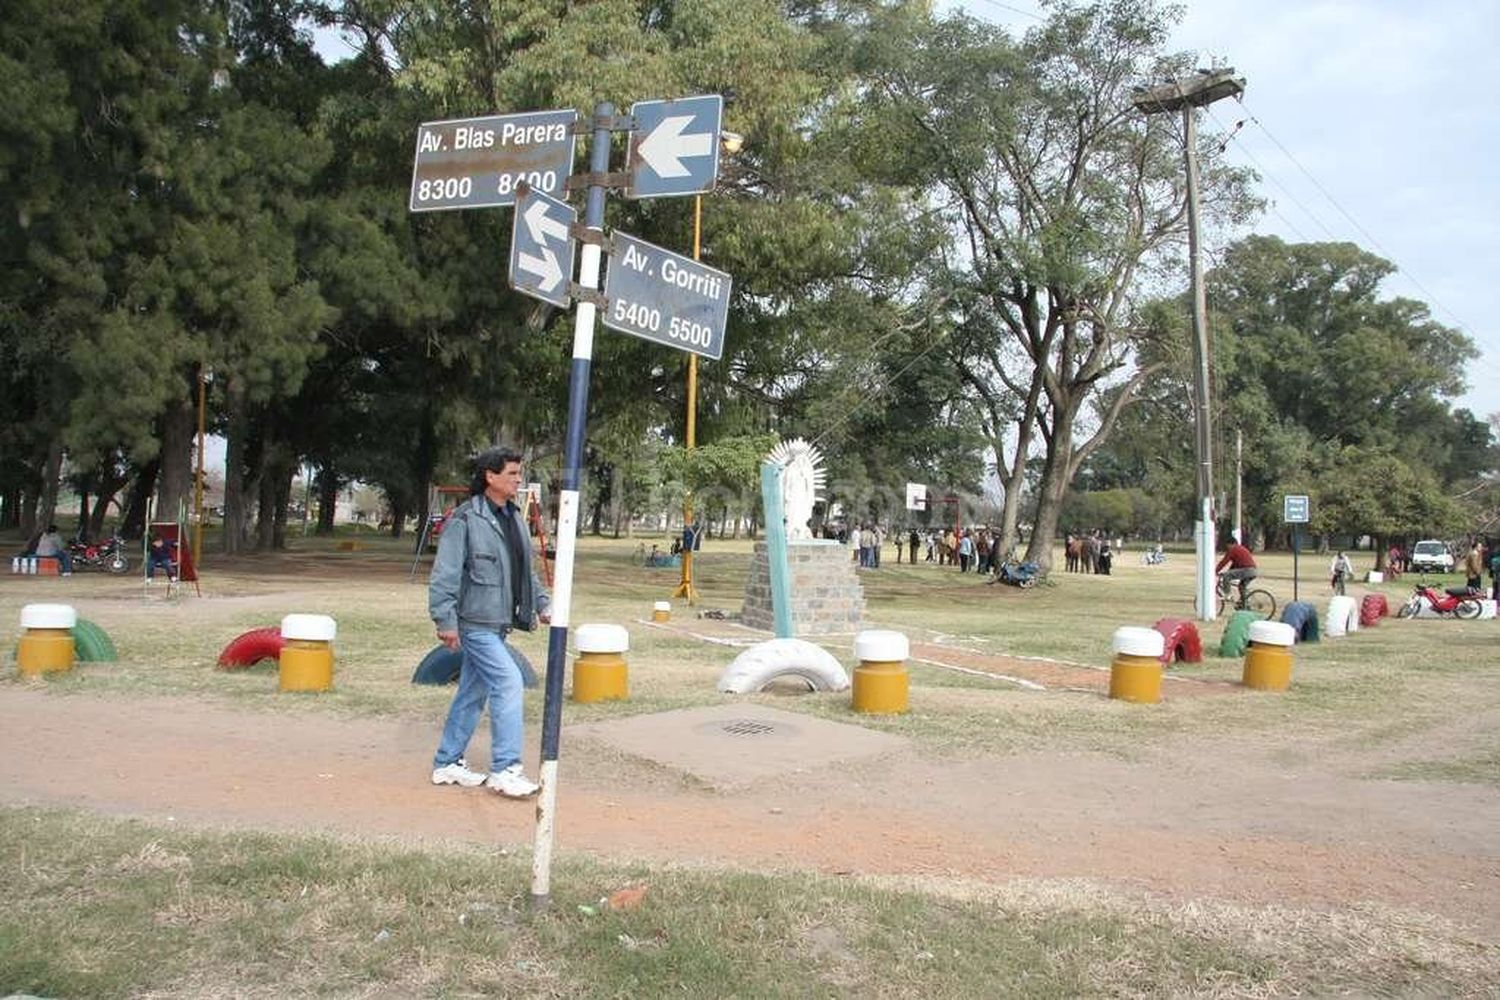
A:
<point x="1458" y="320"/>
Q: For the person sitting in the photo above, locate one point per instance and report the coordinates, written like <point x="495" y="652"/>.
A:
<point x="1242" y="568"/>
<point x="161" y="555"/>
<point x="51" y="546"/>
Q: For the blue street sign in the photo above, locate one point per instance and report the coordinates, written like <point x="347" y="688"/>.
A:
<point x="675" y="146"/>
<point x="542" y="247"/>
<point x="482" y="162"/>
<point x="1295" y="509"/>
<point x="662" y="296"/>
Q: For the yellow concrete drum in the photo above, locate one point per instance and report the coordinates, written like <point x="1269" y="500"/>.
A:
<point x="306" y="662"/>
<point x="881" y="683"/>
<point x="46" y="639"/>
<point x="661" y="611"/>
<point x="1268" y="657"/>
<point x="1135" y="672"/>
<point x="600" y="672"/>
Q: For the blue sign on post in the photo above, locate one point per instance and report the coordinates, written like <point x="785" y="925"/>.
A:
<point x="1295" y="509"/>
<point x="674" y="148"/>
<point x="658" y="295"/>
<point x="482" y="162"/>
<point x="542" y="247"/>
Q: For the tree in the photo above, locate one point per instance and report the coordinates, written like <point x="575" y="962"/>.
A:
<point x="1062" y="199"/>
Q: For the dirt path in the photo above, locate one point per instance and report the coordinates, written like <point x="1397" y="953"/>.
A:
<point x="1184" y="825"/>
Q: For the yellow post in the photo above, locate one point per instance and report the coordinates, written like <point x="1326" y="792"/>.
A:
<point x="881" y="683"/>
<point x="46" y="639"/>
<point x="306" y="661"/>
<point x="685" y="588"/>
<point x="1268" y="657"/>
<point x="600" y="673"/>
<point x="1135" y="673"/>
<point x="661" y="611"/>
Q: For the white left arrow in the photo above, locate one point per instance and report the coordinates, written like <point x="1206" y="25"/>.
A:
<point x="664" y="149"/>
<point x="541" y="225"/>
<point x="544" y="267"/>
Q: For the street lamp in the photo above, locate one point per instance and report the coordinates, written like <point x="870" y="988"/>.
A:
<point x="1187" y="95"/>
<point x="730" y="142"/>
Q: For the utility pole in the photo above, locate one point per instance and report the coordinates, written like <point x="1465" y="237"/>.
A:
<point x="1187" y="95"/>
<point x="1239" y="485"/>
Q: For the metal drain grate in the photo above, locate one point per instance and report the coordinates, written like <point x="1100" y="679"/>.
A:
<point x="747" y="727"/>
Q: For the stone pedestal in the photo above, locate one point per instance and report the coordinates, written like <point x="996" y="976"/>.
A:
<point x="826" y="595"/>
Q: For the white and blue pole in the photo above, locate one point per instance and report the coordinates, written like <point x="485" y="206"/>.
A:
<point x="567" y="513"/>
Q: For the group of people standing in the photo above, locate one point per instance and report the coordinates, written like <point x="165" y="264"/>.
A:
<point x="967" y="549"/>
<point x="1091" y="553"/>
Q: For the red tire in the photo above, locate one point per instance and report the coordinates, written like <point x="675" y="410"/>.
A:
<point x="1180" y="641"/>
<point x="252" y="647"/>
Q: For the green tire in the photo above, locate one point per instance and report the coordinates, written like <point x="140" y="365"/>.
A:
<point x="92" y="644"/>
<point x="1237" y="634"/>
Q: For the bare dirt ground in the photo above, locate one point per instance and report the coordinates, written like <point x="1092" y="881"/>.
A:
<point x="1219" y="822"/>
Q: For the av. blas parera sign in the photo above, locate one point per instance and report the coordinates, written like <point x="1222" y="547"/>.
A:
<point x="674" y="147"/>
<point x="662" y="296"/>
<point x="542" y="247"/>
<point x="482" y="162"/>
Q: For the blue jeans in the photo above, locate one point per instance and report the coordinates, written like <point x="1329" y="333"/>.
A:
<point x="488" y="672"/>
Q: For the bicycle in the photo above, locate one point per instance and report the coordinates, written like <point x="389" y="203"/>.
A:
<point x="1257" y="599"/>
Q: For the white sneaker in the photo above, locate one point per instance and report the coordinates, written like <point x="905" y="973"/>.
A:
<point x="457" y="773"/>
<point x="512" y="783"/>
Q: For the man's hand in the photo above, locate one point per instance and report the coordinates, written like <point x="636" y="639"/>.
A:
<point x="449" y="639"/>
<point x="545" y="617"/>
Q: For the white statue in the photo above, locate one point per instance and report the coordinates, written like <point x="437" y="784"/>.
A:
<point x="801" y="478"/>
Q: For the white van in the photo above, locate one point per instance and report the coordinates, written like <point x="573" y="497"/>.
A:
<point x="1431" y="555"/>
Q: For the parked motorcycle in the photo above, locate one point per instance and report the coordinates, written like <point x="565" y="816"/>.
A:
<point x="1455" y="602"/>
<point x="107" y="555"/>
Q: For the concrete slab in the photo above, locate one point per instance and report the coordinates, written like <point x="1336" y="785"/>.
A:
<point x="736" y="744"/>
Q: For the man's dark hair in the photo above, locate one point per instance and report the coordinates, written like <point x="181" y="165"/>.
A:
<point x="491" y="460"/>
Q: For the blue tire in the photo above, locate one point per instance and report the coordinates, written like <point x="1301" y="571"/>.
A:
<point x="1303" y="617"/>
<point x="442" y="665"/>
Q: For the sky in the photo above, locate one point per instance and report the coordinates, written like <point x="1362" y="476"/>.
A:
<point x="1369" y="121"/>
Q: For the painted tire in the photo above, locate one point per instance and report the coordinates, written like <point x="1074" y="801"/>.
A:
<point x="251" y="647"/>
<point x="442" y="666"/>
<point x="92" y="644"/>
<point x="1469" y="610"/>
<point x="1181" y="641"/>
<point x="1304" y="618"/>
<point x="1237" y="634"/>
<point x="1373" y="608"/>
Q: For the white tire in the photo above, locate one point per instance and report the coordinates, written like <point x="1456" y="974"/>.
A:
<point x="764" y="662"/>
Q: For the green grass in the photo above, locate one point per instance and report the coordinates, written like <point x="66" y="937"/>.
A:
<point x="1344" y="691"/>
<point x="108" y="908"/>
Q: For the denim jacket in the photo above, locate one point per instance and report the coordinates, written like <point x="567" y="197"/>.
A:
<point x="470" y="582"/>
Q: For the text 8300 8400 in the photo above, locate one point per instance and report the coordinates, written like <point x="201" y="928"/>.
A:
<point x="539" y="180"/>
<point x="444" y="188"/>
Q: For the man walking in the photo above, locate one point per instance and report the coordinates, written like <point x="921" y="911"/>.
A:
<point x="482" y="586"/>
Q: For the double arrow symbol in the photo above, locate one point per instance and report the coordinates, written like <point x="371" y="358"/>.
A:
<point x="541" y="226"/>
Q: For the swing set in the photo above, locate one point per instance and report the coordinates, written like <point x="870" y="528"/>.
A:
<point x="531" y="511"/>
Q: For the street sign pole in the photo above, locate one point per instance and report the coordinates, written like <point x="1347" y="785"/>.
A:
<point x="567" y="512"/>
<point x="1296" y="552"/>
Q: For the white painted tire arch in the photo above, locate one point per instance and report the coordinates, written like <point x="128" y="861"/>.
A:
<point x="1343" y="616"/>
<point x="767" y="661"/>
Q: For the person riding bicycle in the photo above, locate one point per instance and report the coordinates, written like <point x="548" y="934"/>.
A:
<point x="1340" y="572"/>
<point x="1241" y="565"/>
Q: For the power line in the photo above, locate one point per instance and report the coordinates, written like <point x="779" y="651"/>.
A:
<point x="1233" y="136"/>
<point x="1458" y="320"/>
<point x="1014" y="10"/>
